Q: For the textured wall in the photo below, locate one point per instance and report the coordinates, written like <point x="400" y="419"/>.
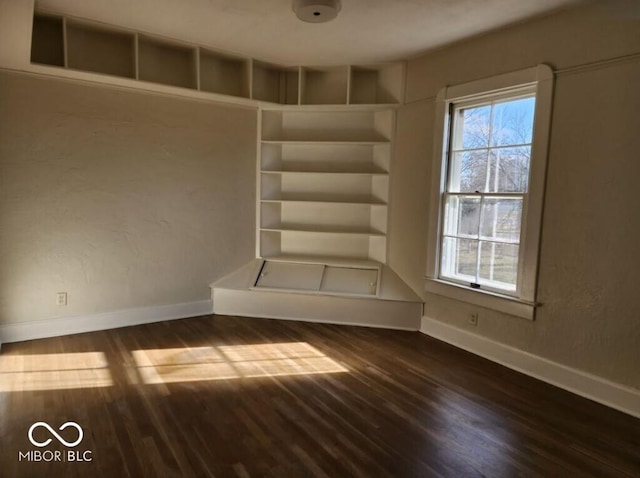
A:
<point x="590" y="315"/>
<point x="122" y="199"/>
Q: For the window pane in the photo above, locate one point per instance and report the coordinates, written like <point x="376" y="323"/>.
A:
<point x="498" y="265"/>
<point x="509" y="171"/>
<point x="468" y="171"/>
<point x="473" y="128"/>
<point x="512" y="122"/>
<point x="501" y="218"/>
<point x="462" y="216"/>
<point x="459" y="258"/>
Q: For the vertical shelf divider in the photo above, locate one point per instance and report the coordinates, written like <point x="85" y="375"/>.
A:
<point x="349" y="79"/>
<point x="65" y="50"/>
<point x="198" y="54"/>
<point x="136" y="56"/>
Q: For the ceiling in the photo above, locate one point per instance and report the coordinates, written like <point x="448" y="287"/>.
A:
<point x="366" y="31"/>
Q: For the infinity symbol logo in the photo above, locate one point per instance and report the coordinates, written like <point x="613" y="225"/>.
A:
<point x="53" y="432"/>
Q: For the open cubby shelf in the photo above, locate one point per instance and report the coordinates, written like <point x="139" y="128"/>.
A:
<point x="77" y="44"/>
<point x="325" y="195"/>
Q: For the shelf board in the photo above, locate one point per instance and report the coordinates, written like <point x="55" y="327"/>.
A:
<point x="352" y="173"/>
<point x="317" y="229"/>
<point x="370" y="202"/>
<point x="314" y="142"/>
<point x="326" y="260"/>
<point x="271" y="106"/>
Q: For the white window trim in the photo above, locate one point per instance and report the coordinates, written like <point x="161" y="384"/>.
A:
<point x="524" y="305"/>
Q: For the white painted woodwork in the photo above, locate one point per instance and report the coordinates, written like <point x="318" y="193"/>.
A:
<point x="324" y="182"/>
<point x="283" y="275"/>
<point x="82" y="45"/>
<point x="349" y="280"/>
<point x="346" y="295"/>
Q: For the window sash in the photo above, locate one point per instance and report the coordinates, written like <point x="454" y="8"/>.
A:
<point x="453" y="146"/>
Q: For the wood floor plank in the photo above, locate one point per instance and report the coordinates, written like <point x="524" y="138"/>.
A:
<point x="228" y="396"/>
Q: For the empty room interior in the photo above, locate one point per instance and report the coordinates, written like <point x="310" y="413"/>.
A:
<point x="321" y="238"/>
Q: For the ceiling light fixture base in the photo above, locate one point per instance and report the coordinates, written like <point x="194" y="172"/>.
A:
<point x="316" y="11"/>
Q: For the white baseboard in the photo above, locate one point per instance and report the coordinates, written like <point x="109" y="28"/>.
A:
<point x="40" y="329"/>
<point x="611" y="394"/>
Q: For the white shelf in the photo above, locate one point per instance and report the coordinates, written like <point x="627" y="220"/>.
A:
<point x="369" y="202"/>
<point x="326" y="142"/>
<point x="346" y="246"/>
<point x="324" y="183"/>
<point x="327" y="199"/>
<point x="370" y="127"/>
<point x="323" y="230"/>
<point x="82" y="45"/>
<point x="328" y="260"/>
<point x="325" y="173"/>
<point x="323" y="157"/>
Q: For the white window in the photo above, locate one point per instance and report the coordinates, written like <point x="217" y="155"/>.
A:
<point x="489" y="167"/>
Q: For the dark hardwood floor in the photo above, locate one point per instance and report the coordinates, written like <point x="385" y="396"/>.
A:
<point x="227" y="396"/>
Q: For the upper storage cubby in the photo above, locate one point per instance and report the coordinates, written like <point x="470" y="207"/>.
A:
<point x="224" y="74"/>
<point x="327" y="126"/>
<point x="275" y="84"/>
<point x="47" y="44"/>
<point x="376" y="84"/>
<point x="166" y="63"/>
<point x="83" y="45"/>
<point x="325" y="86"/>
<point x="100" y="50"/>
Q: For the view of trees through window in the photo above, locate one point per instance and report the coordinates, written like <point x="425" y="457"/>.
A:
<point x="488" y="174"/>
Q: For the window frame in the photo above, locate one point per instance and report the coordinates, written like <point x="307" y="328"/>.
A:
<point x="539" y="80"/>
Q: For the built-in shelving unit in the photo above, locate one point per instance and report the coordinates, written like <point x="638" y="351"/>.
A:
<point x="324" y="162"/>
<point x="82" y="45"/>
<point x="324" y="183"/>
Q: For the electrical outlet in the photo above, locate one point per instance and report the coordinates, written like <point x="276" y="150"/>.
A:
<point x="61" y="298"/>
<point x="473" y="318"/>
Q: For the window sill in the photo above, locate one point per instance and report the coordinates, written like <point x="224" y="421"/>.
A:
<point x="482" y="298"/>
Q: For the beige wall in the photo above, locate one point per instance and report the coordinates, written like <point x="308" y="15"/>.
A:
<point x="590" y="316"/>
<point x="122" y="199"/>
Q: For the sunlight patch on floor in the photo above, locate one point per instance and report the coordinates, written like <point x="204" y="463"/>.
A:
<point x="231" y="362"/>
<point x="21" y="373"/>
